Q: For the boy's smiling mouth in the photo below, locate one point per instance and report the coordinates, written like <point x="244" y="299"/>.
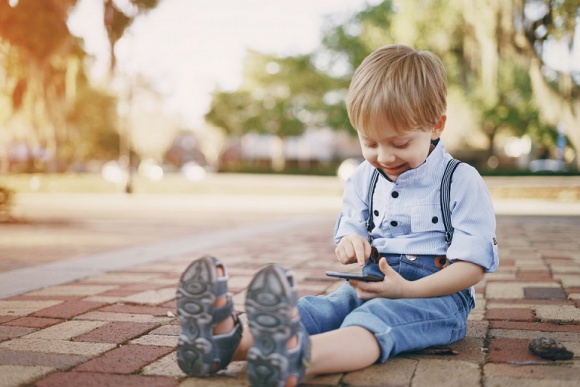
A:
<point x="394" y="170"/>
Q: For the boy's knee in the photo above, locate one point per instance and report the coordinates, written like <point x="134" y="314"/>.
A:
<point x="307" y="319"/>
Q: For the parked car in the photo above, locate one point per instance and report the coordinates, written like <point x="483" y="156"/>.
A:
<point x="547" y="165"/>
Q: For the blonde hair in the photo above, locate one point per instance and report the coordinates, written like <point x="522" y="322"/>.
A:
<point x="398" y="85"/>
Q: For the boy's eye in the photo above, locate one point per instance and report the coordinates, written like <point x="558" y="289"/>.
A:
<point x="401" y="146"/>
<point x="370" y="145"/>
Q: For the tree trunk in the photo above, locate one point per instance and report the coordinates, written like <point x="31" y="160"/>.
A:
<point x="278" y="154"/>
<point x="555" y="108"/>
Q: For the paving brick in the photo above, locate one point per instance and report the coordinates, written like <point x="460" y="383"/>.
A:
<point x="51" y="360"/>
<point x="564" y="268"/>
<point x="5" y="319"/>
<point x="57" y="346"/>
<point x="558" y="313"/>
<point x="510" y="314"/>
<point x="530" y="335"/>
<point x="73" y="290"/>
<point x="105" y="299"/>
<point x="395" y="372"/>
<point x="91" y="379"/>
<point x="525" y="303"/>
<point x="116" y="332"/>
<point x="120" y="278"/>
<point x="66" y="331"/>
<point x="137" y="309"/>
<point x="24" y="308"/>
<point x="141" y="287"/>
<point x="235" y="375"/>
<point x="152" y="297"/>
<point x="166" y="366"/>
<point x="499" y="381"/>
<point x="26" y="297"/>
<point x="120" y="293"/>
<point x="545" y="293"/>
<point x="569" y="280"/>
<point x="511" y="350"/>
<point x="131" y="317"/>
<point x="169" y="330"/>
<point x="159" y="340"/>
<point x="16" y="375"/>
<point x="477" y="329"/>
<point x="530" y="373"/>
<point x="124" y="360"/>
<point x="469" y="350"/>
<point x="534" y="276"/>
<point x="7" y="332"/>
<point x="436" y="373"/>
<point x="534" y="326"/>
<point x="68" y="309"/>
<point x="512" y="290"/>
<point x="33" y="322"/>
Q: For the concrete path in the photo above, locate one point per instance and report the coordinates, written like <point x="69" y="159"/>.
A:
<point x="87" y="289"/>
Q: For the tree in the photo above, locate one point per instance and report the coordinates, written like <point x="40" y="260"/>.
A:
<point x="557" y="91"/>
<point x="280" y="96"/>
<point x="486" y="56"/>
<point x="117" y="19"/>
<point x="42" y="61"/>
<point x="43" y="65"/>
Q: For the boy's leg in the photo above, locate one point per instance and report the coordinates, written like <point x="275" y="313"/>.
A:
<point x="340" y="350"/>
<point x="412" y="324"/>
<point x="343" y="350"/>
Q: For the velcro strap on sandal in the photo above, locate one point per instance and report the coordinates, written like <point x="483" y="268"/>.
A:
<point x="220" y="287"/>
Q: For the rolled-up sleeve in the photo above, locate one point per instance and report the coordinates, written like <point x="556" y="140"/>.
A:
<point x="354" y="215"/>
<point x="473" y="220"/>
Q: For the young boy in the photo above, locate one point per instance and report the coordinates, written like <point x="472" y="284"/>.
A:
<point x="397" y="104"/>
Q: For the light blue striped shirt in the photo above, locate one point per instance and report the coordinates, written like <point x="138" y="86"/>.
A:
<point x="407" y="213"/>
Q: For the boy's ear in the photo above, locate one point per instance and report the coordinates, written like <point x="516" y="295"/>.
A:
<point x="438" y="128"/>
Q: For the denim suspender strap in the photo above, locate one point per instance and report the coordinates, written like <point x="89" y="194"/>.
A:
<point x="372" y="186"/>
<point x="445" y="198"/>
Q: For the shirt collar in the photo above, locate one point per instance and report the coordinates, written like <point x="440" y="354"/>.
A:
<point x="428" y="172"/>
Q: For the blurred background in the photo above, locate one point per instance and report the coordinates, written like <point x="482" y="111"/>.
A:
<point x="126" y="95"/>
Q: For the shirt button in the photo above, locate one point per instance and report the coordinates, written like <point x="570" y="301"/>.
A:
<point x="376" y="213"/>
<point x="394" y="223"/>
<point x="395" y="194"/>
<point x="434" y="219"/>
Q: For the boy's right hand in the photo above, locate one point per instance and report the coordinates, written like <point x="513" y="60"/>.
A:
<point x="353" y="248"/>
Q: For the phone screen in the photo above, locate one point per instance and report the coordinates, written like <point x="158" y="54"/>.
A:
<point x="355" y="276"/>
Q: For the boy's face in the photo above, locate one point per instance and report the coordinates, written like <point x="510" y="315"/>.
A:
<point x="395" y="153"/>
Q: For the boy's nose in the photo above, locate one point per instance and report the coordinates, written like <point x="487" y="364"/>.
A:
<point x="385" y="157"/>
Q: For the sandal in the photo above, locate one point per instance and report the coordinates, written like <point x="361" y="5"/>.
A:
<point x="271" y="308"/>
<point x="199" y="351"/>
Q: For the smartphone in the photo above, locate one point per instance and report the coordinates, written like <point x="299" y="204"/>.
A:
<point x="355" y="276"/>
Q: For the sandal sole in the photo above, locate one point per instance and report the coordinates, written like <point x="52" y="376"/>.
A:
<point x="270" y="301"/>
<point x="195" y="302"/>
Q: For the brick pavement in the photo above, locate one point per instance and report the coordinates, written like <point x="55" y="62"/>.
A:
<point x="119" y="327"/>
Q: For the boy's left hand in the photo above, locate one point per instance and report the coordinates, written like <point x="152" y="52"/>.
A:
<point x="392" y="286"/>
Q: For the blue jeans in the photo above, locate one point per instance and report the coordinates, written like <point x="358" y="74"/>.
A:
<point x="399" y="325"/>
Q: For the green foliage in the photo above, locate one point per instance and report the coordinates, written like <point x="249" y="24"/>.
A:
<point x="93" y="119"/>
<point x="279" y="95"/>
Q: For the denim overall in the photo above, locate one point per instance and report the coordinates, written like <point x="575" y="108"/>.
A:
<point x="399" y="325"/>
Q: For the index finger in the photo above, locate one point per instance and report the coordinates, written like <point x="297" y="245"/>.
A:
<point x="362" y="252"/>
